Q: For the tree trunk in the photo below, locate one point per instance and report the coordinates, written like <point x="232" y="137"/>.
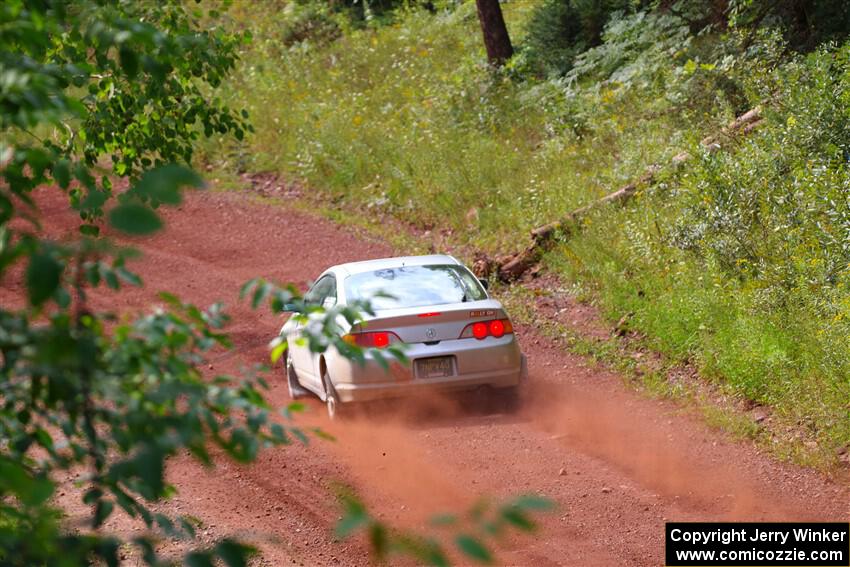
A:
<point x="496" y="38"/>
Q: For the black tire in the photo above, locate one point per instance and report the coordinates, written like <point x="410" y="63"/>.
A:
<point x="331" y="398"/>
<point x="296" y="390"/>
<point x="508" y="400"/>
<point x="488" y="400"/>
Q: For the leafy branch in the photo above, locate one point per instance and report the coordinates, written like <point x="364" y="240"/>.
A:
<point x="468" y="533"/>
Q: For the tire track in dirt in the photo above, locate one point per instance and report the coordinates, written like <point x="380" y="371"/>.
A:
<point x="618" y="465"/>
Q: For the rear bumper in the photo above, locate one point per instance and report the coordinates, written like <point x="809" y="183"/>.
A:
<point x="492" y="362"/>
<point x="385" y="390"/>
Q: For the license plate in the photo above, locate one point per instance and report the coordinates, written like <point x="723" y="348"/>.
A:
<point x="438" y="367"/>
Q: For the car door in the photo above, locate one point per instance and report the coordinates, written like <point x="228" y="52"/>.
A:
<point x="322" y="293"/>
<point x="327" y="299"/>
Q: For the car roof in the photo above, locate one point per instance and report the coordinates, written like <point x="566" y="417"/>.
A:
<point x="384" y="263"/>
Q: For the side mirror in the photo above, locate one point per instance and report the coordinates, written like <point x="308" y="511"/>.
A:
<point x="484" y="283"/>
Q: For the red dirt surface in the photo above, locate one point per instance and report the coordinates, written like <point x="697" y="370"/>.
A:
<point x="618" y="465"/>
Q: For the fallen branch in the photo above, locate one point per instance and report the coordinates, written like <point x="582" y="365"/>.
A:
<point x="513" y="266"/>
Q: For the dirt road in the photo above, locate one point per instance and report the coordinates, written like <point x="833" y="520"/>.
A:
<point x="617" y="464"/>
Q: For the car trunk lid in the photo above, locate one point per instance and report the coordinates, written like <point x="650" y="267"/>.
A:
<point x="432" y="324"/>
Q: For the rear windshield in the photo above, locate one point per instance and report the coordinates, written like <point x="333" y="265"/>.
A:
<point x="414" y="286"/>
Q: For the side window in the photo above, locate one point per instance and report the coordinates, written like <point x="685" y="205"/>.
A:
<point x="323" y="289"/>
<point x="329" y="297"/>
<point x="473" y="286"/>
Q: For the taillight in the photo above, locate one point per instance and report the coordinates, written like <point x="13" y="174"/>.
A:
<point x="497" y="328"/>
<point x="483" y="329"/>
<point x="377" y="339"/>
<point x="479" y="330"/>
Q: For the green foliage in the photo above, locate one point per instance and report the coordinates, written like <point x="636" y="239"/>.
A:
<point x="657" y="52"/>
<point x="559" y="30"/>
<point x="470" y="532"/>
<point x="103" y="81"/>
<point x="310" y="21"/>
<point x="739" y="261"/>
<point x="379" y="11"/>
<point x="134" y="218"/>
<point x="804" y="23"/>
<point x="124" y="401"/>
<point x="638" y="47"/>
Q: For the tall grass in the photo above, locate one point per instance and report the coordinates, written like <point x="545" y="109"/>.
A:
<point x="407" y="118"/>
<point x="733" y="262"/>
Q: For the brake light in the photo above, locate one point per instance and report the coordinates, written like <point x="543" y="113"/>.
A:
<point x="497" y="328"/>
<point x="483" y="329"/>
<point x="433" y="314"/>
<point x="377" y="339"/>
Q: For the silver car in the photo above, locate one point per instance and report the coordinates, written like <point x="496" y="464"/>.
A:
<point x="453" y="334"/>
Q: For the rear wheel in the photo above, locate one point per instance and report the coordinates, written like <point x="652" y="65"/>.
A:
<point x="331" y="398"/>
<point x="490" y="400"/>
<point x="508" y="400"/>
<point x="296" y="390"/>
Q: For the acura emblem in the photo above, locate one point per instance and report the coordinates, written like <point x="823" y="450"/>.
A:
<point x="430" y="332"/>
